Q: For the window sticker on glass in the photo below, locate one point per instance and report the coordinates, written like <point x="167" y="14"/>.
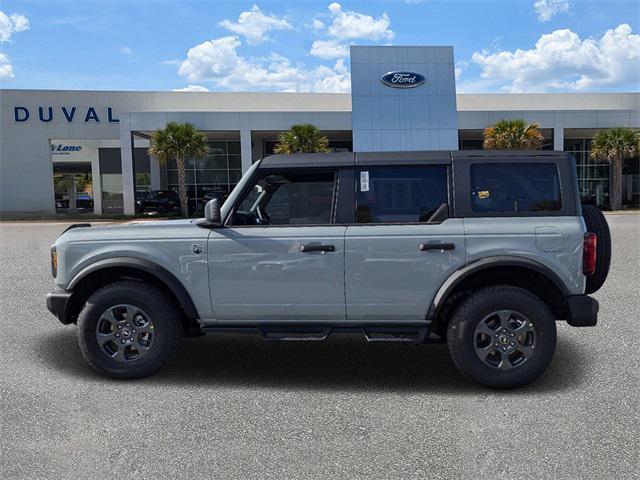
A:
<point x="364" y="181"/>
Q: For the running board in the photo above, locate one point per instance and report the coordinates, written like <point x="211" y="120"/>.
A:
<point x="294" y="334"/>
<point x="416" y="333"/>
<point x="395" y="334"/>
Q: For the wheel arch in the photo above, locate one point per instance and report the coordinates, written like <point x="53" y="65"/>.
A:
<point x="106" y="271"/>
<point x="518" y="271"/>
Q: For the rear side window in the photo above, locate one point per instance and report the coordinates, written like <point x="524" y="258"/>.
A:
<point x="400" y="194"/>
<point x="515" y="187"/>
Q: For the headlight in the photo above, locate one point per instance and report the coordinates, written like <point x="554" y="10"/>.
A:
<point x="54" y="261"/>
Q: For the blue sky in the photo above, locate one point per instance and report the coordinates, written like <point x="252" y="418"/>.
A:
<point x="500" y="46"/>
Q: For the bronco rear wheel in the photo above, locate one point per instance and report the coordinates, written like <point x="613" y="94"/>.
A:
<point x="502" y="337"/>
<point x="128" y="330"/>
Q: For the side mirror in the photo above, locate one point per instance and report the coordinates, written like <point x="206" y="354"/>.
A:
<point x="212" y="214"/>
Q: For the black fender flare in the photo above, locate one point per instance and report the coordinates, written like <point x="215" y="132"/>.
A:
<point x="490" y="262"/>
<point x="147" y="266"/>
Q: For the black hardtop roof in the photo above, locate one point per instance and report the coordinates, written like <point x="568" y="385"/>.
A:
<point x="345" y="159"/>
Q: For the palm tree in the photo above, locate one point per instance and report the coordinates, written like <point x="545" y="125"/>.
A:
<point x="513" y="135"/>
<point x="302" y="139"/>
<point x="179" y="141"/>
<point x="616" y="145"/>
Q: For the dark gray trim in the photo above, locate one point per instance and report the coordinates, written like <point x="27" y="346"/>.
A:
<point x="460" y="154"/>
<point x="317" y="160"/>
<point x="490" y="262"/>
<point x="576" y="185"/>
<point x="345" y="208"/>
<point x="583" y="311"/>
<point x="404" y="158"/>
<point x="164" y="276"/>
<point x="57" y="303"/>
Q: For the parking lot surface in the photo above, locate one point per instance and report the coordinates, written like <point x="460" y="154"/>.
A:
<point x="231" y="406"/>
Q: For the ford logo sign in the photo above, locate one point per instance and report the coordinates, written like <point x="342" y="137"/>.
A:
<point x="403" y="79"/>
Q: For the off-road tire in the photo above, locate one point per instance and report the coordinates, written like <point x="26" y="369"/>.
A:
<point x="166" y="322"/>
<point x="461" y="335"/>
<point x="597" y="223"/>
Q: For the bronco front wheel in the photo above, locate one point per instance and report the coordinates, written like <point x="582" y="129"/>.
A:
<point x="128" y="330"/>
<point x="502" y="337"/>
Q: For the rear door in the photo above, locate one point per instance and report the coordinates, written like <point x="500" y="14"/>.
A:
<point x="403" y="244"/>
<point x="281" y="255"/>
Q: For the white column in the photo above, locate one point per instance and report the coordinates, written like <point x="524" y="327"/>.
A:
<point x="126" y="155"/>
<point x="558" y="139"/>
<point x="245" y="149"/>
<point x="154" y="166"/>
<point x="97" y="184"/>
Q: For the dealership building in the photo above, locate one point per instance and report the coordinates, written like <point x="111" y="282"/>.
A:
<point x="86" y="151"/>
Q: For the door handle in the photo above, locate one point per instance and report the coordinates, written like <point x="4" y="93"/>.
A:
<point x="315" y="247"/>
<point x="436" y="246"/>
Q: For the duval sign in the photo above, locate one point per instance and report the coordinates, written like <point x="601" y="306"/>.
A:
<point x="47" y="114"/>
<point x="403" y="79"/>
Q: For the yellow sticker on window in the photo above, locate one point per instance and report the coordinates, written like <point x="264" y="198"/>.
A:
<point x="483" y="194"/>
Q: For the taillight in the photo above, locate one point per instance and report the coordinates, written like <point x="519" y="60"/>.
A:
<point x="54" y="262"/>
<point x="589" y="253"/>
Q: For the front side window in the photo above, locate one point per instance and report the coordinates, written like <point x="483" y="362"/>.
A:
<point x="515" y="187"/>
<point x="288" y="199"/>
<point x="401" y="194"/>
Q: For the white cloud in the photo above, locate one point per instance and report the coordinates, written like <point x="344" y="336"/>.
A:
<point x="317" y="25"/>
<point x="561" y="60"/>
<point x="192" y="88"/>
<point x="547" y="9"/>
<point x="347" y="25"/>
<point x="218" y="61"/>
<point x="125" y="51"/>
<point x="211" y="59"/>
<point x="329" y="49"/>
<point x="254" y="25"/>
<point x="10" y="24"/>
<point x="6" y="70"/>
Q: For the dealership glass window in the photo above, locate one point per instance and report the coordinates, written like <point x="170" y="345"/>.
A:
<point x="515" y="187"/>
<point x="142" y="169"/>
<point x="214" y="175"/>
<point x="143" y="182"/>
<point x="593" y="175"/>
<point x="111" y="180"/>
<point x="112" y="193"/>
<point x="73" y="187"/>
<point x="400" y="194"/>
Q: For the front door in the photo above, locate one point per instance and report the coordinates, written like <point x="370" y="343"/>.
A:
<point x="402" y="246"/>
<point x="73" y="187"/>
<point x="280" y="257"/>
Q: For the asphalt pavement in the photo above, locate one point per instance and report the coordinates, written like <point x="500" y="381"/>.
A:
<point x="232" y="406"/>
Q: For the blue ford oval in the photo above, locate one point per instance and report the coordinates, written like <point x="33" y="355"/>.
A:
<point x="403" y="79"/>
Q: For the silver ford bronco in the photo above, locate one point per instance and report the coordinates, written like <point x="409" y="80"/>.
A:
<point x="482" y="250"/>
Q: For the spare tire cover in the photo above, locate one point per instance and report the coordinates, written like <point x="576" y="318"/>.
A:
<point x="597" y="223"/>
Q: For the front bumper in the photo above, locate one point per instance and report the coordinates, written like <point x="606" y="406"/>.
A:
<point x="58" y="304"/>
<point x="583" y="311"/>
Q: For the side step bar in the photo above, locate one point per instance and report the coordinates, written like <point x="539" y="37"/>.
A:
<point x="395" y="334"/>
<point x="417" y="333"/>
<point x="294" y="334"/>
